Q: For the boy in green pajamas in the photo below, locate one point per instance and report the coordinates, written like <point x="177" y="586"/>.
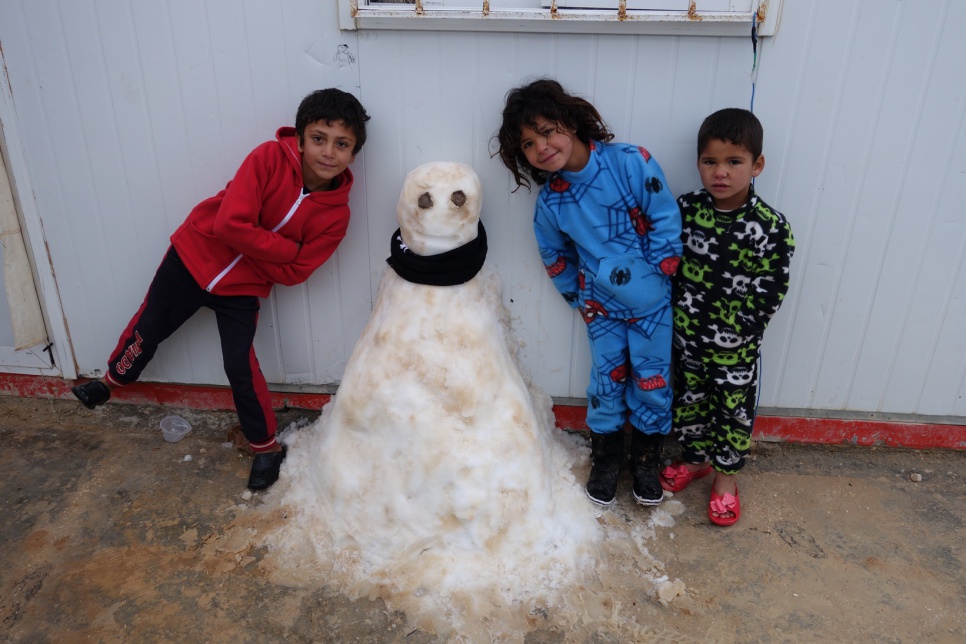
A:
<point x="733" y="276"/>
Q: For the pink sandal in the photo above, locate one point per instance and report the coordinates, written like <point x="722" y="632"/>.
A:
<point x="723" y="504"/>
<point x="675" y="478"/>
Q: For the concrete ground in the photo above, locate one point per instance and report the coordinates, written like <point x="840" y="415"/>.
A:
<point x="111" y="534"/>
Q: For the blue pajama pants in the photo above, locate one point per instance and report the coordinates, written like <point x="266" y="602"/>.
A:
<point x="630" y="373"/>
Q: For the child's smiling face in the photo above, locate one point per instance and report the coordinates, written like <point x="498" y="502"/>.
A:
<point x="726" y="172"/>
<point x="327" y="148"/>
<point x="551" y="147"/>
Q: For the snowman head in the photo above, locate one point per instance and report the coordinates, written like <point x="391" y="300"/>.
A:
<point x="439" y="207"/>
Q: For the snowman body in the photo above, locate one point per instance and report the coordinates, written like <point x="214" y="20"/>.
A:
<point x="436" y="468"/>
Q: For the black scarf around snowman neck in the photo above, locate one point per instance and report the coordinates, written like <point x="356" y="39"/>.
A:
<point x="453" y="267"/>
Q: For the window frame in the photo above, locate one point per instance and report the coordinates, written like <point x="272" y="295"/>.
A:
<point x="360" y="15"/>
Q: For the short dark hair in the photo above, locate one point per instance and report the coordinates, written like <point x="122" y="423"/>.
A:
<point x="547" y="98"/>
<point x="332" y="105"/>
<point x="735" y="125"/>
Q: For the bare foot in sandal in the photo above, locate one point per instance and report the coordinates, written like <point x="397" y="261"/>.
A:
<point x="725" y="506"/>
<point x="675" y="478"/>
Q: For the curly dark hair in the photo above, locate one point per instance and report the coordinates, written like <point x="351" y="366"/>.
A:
<point x="332" y="105"/>
<point x="547" y="98"/>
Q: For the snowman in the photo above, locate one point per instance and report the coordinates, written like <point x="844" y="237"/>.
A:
<point x="435" y="478"/>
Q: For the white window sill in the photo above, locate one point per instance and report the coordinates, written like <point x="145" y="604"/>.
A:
<point x="353" y="16"/>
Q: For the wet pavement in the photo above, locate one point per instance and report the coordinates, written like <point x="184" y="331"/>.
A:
<point x="111" y="534"/>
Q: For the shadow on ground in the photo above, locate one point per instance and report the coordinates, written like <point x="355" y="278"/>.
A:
<point x="112" y="534"/>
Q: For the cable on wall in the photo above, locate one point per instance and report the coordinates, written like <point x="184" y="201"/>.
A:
<point x="754" y="57"/>
<point x="754" y="83"/>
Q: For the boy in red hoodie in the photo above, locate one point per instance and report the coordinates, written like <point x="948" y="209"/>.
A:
<point x="280" y="218"/>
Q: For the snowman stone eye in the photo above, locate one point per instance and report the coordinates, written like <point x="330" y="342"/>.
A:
<point x="458" y="198"/>
<point x="425" y="201"/>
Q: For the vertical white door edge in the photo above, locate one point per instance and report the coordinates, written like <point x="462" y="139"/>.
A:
<point x="58" y="358"/>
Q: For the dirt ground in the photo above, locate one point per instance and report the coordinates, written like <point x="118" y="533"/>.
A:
<point x="111" y="534"/>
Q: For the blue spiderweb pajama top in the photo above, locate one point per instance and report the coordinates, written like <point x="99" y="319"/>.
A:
<point x="610" y="237"/>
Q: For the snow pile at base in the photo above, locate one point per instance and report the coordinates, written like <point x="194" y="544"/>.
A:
<point x="435" y="477"/>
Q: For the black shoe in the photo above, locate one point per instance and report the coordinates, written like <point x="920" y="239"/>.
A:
<point x="607" y="452"/>
<point x="92" y="393"/>
<point x="265" y="469"/>
<point x="646" y="464"/>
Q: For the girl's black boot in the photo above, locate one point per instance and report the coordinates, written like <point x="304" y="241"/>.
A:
<point x="646" y="464"/>
<point x="607" y="452"/>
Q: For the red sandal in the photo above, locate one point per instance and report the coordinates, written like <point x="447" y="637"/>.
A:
<point x="722" y="504"/>
<point x="675" y="478"/>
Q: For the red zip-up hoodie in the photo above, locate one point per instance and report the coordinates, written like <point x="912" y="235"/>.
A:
<point x="262" y="229"/>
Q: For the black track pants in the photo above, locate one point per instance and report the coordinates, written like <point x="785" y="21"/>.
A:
<point x="172" y="298"/>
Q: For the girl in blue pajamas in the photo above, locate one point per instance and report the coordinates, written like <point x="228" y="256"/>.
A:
<point x="609" y="232"/>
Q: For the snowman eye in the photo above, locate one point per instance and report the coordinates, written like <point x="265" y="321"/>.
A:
<point x="425" y="201"/>
<point x="458" y="198"/>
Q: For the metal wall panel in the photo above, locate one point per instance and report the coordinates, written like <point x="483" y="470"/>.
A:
<point x="870" y="168"/>
<point x="135" y="111"/>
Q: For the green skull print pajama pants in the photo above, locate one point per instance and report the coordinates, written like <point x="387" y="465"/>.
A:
<point x="716" y="397"/>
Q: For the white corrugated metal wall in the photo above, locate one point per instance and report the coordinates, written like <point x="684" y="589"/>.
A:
<point x="126" y="113"/>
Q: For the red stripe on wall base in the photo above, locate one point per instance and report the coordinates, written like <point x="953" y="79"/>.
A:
<point x="152" y="393"/>
<point x="826" y="431"/>
<point x="836" y="431"/>
<point x="788" y="429"/>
